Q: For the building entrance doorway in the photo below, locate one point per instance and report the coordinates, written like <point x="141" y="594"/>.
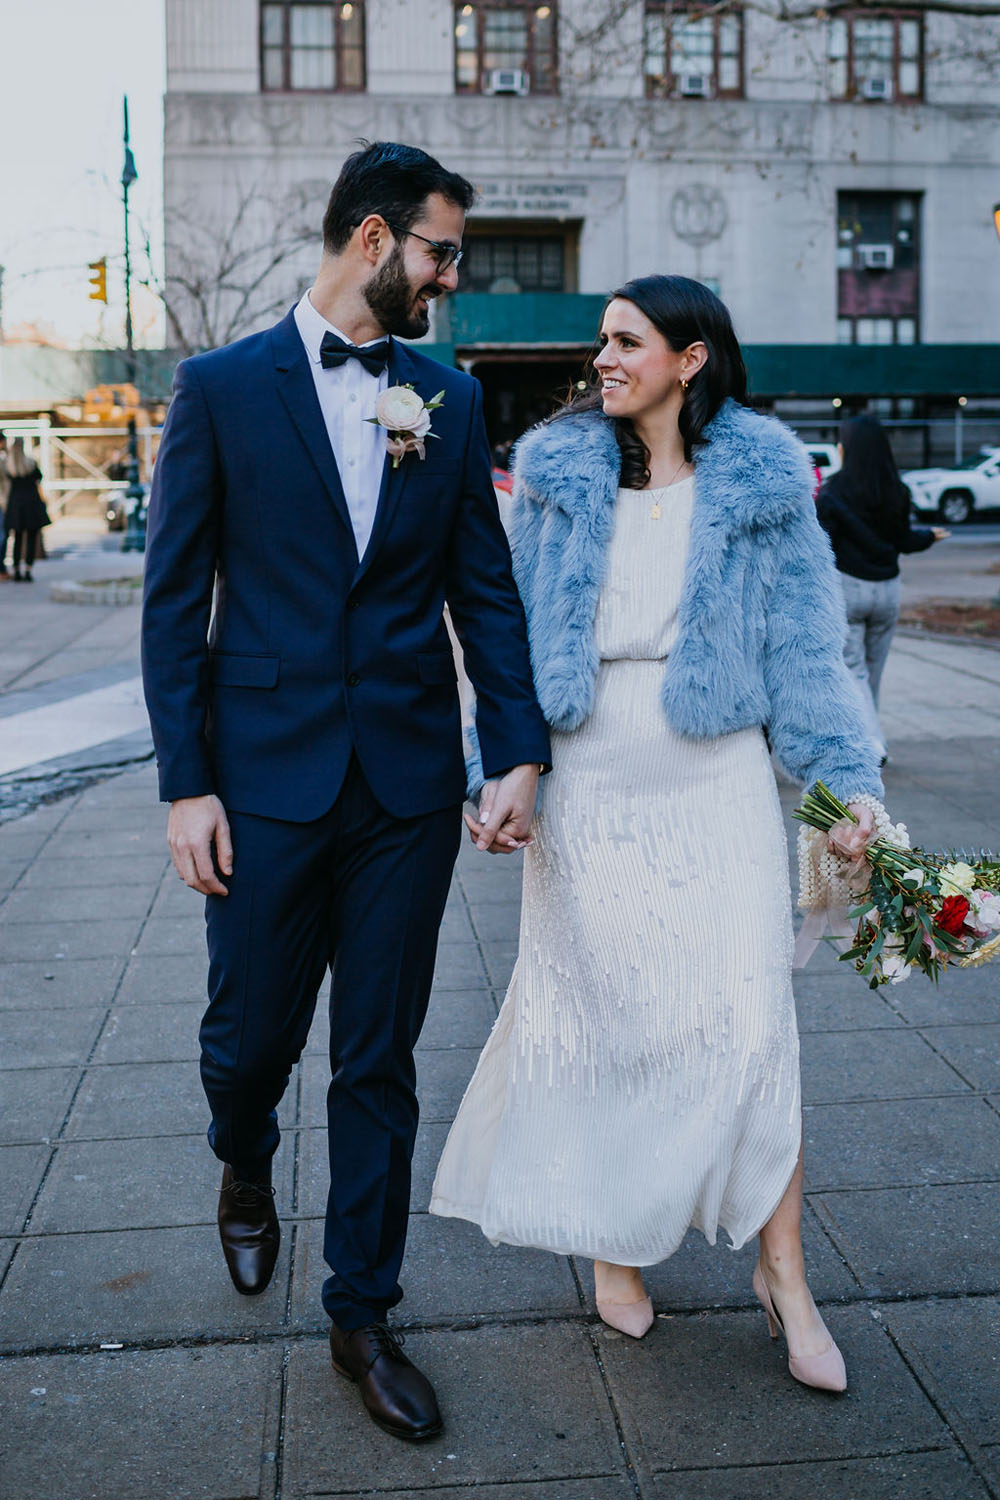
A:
<point x="523" y="389"/>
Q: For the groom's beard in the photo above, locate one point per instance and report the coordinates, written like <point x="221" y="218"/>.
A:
<point x="393" y="299"/>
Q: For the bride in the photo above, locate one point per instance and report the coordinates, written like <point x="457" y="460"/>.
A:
<point x="643" y="1074"/>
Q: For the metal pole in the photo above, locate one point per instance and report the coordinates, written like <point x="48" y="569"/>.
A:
<point x="958" y="435"/>
<point x="134" y="539"/>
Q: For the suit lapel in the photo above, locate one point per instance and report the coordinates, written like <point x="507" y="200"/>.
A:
<point x="298" y="394"/>
<point x="402" y="371"/>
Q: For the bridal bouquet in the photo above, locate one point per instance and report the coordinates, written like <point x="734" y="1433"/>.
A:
<point x="913" y="909"/>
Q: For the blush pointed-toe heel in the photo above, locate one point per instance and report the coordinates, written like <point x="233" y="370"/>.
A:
<point x="633" y="1318"/>
<point x="825" y="1371"/>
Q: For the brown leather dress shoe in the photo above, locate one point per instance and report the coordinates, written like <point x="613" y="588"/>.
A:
<point x="249" y="1230"/>
<point x="396" y="1395"/>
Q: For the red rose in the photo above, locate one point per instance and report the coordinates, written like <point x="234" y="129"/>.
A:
<point x="951" y="917"/>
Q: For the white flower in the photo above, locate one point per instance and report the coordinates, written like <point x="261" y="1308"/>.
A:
<point x="960" y="876"/>
<point x="895" y="968"/>
<point x="986" y="905"/>
<point x="400" y="409"/>
<point x="914" y="876"/>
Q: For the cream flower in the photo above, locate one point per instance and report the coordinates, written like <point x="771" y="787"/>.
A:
<point x="400" y="409"/>
<point x="960" y="876"/>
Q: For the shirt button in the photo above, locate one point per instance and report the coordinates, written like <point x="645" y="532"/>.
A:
<point x="353" y="398"/>
<point x="354" y="603"/>
<point x="353" y="680"/>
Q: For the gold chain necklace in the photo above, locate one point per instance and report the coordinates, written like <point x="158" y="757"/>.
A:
<point x="657" y="510"/>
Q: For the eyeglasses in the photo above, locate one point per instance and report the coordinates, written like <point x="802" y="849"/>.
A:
<point x="446" y="254"/>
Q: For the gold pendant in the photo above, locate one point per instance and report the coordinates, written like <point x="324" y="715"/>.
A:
<point x="656" y="512"/>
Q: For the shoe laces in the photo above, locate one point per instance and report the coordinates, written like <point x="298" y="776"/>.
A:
<point x="385" y="1340"/>
<point x="249" y="1194"/>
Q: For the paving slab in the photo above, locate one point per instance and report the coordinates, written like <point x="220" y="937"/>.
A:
<point x="458" y="1018"/>
<point x="499" y="959"/>
<point x="133" y="1286"/>
<point x="35" y="1101"/>
<point x="11" y="870"/>
<point x="175" y="1424"/>
<point x="21" y="1171"/>
<point x="107" y="938"/>
<point x="165" y="979"/>
<point x="917" y="1476"/>
<point x="708" y="1391"/>
<point x="496" y="921"/>
<point x="56" y="871"/>
<point x="918" y="1241"/>
<point x="150" y="1033"/>
<point x="450" y="1271"/>
<point x="122" y="1100"/>
<point x="48" y="1038"/>
<point x="962" y="995"/>
<point x="519" y="1404"/>
<point x="901" y="1143"/>
<point x="111" y="843"/>
<point x="56" y="983"/>
<point x="173" y="936"/>
<point x="885" y="1064"/>
<point x="590" y="1488"/>
<point x="841" y="1002"/>
<point x="955" y="1344"/>
<point x="459" y="967"/>
<point x="134" y="1184"/>
<point x="973" y="1051"/>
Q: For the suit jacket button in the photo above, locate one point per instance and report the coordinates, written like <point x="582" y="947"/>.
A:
<point x="354" y="603"/>
<point x="353" y="680"/>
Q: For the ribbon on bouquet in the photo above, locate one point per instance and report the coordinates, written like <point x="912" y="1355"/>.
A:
<point x="827" y="919"/>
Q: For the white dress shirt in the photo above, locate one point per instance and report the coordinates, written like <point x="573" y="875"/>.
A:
<point x="347" y="395"/>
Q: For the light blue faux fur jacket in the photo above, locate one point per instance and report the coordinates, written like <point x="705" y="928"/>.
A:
<point x="761" y="620"/>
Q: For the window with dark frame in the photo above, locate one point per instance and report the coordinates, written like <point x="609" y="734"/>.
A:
<point x="519" y="37"/>
<point x="685" y="42"/>
<point x="876" y="55"/>
<point x="312" y="46"/>
<point x="878" y="268"/>
<point x="509" y="259"/>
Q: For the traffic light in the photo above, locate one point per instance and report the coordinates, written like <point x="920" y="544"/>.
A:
<point x="99" y="280"/>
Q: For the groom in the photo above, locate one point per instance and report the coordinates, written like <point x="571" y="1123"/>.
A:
<point x="302" y="692"/>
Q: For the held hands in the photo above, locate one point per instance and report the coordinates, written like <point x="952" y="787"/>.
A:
<point x="850" y="840"/>
<point x="194" y="825"/>
<point x="506" y="808"/>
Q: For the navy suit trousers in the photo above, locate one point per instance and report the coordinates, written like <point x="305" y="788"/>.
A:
<point x="363" y="893"/>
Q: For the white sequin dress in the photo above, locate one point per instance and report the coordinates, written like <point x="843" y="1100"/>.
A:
<point x="642" y="1075"/>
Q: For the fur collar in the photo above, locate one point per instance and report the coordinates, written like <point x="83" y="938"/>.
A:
<point x="752" y="471"/>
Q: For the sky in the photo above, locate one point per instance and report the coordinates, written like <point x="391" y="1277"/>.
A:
<point x="67" y="65"/>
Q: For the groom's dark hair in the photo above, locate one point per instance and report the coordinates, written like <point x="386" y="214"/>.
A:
<point x="392" y="180"/>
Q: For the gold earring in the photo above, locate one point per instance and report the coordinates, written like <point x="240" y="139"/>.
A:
<point x="684" y="385"/>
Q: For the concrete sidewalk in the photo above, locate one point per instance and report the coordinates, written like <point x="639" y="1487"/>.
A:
<point x="131" y="1368"/>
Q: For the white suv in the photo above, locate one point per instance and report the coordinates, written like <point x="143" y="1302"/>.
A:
<point x="955" y="493"/>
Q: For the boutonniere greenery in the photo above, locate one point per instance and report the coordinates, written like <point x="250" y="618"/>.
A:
<point x="406" y="418"/>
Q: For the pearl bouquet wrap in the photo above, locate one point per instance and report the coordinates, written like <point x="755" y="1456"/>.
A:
<point x="824" y="877"/>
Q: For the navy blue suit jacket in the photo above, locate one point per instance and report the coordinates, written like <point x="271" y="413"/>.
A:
<point x="270" y="651"/>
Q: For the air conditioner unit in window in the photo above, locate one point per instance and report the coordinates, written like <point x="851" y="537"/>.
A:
<point x="507" y="81"/>
<point x="877" y="88"/>
<point x="876" y="257"/>
<point x="694" y="85"/>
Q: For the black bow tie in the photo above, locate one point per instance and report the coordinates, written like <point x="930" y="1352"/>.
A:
<point x="334" y="352"/>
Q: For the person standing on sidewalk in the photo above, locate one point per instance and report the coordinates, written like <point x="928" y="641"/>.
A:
<point x="4" y="489"/>
<point x="865" y="509"/>
<point x="25" y="513"/>
<point x="311" y="749"/>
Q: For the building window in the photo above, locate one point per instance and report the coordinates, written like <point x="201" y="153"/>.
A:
<point x="517" y="40"/>
<point x="517" y="260"/>
<point x="878" y="268"/>
<point x="692" y="50"/>
<point x="877" y="56"/>
<point x="310" y="46"/>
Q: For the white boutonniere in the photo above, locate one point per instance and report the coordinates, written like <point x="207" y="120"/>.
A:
<point x="406" y="418"/>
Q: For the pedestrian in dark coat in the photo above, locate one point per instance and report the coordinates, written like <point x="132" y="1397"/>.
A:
<point x="25" y="513"/>
<point x="865" y="508"/>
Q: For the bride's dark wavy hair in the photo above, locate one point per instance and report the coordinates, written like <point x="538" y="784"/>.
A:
<point x="685" y="312"/>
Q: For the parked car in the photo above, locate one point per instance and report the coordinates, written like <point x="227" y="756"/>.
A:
<point x="955" y="493"/>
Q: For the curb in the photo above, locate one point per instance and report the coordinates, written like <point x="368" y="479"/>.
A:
<point x="83" y="593"/>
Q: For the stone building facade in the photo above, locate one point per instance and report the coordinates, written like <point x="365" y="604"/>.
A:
<point x="832" y="176"/>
